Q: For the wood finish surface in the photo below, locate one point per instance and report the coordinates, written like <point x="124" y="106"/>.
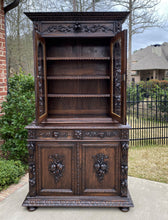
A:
<point x="78" y="144"/>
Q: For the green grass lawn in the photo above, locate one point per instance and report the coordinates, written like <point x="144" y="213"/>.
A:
<point x="149" y="162"/>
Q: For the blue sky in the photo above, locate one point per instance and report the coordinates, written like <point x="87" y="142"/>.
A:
<point x="153" y="35"/>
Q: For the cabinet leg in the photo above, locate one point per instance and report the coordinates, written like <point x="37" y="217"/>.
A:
<point x="31" y="209"/>
<point x="124" y="209"/>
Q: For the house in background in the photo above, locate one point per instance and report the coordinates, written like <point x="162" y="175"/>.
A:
<point x="150" y="63"/>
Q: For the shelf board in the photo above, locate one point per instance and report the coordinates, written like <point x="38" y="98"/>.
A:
<point x="76" y="77"/>
<point x="78" y="58"/>
<point x="78" y="95"/>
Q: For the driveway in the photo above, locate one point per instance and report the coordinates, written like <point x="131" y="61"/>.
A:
<point x="150" y="201"/>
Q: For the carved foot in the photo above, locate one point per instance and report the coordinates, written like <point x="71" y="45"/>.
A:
<point x="31" y="209"/>
<point x="124" y="209"/>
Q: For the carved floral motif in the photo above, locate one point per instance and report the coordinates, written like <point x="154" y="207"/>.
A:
<point x="100" y="166"/>
<point x="31" y="134"/>
<point x="125" y="134"/>
<point x="77" y="27"/>
<point x="56" y="166"/>
<point x="78" y="134"/>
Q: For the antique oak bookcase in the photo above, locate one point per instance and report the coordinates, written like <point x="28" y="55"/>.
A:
<point x="78" y="144"/>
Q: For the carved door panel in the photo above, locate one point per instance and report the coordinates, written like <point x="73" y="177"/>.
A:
<point x="118" y="49"/>
<point x="100" y="169"/>
<point x="56" y="168"/>
<point x="41" y="83"/>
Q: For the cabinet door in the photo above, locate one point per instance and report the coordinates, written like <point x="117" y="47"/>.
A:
<point x="100" y="169"/>
<point x="118" y="76"/>
<point x="40" y="78"/>
<point x="56" y="168"/>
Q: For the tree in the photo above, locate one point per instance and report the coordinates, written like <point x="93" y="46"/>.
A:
<point x="143" y="15"/>
<point x="19" y="38"/>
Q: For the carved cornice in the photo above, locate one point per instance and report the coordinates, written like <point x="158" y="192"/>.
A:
<point x="78" y="16"/>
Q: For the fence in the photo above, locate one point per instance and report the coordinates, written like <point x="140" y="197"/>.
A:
<point x="147" y="113"/>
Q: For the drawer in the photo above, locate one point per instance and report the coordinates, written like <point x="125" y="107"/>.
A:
<point x="79" y="134"/>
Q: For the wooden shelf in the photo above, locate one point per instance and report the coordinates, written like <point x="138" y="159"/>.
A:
<point x="77" y="58"/>
<point x="76" y="77"/>
<point x="78" y="95"/>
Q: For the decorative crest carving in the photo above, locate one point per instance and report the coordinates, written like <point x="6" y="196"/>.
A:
<point x="77" y="27"/>
<point x="56" y="166"/>
<point x="100" y="166"/>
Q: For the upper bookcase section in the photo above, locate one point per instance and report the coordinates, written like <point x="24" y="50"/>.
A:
<point x="77" y="24"/>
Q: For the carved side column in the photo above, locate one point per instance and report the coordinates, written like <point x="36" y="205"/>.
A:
<point x="32" y="169"/>
<point x="124" y="169"/>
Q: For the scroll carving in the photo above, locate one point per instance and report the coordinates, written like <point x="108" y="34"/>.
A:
<point x="56" y="166"/>
<point x="100" y="166"/>
<point x="124" y="168"/>
<point x="77" y="27"/>
<point x="79" y="134"/>
<point x="51" y="134"/>
<point x="32" y="169"/>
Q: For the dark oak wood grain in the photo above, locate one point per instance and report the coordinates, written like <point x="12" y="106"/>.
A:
<point x="78" y="144"/>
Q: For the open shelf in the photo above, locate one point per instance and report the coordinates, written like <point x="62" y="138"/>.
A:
<point x="76" y="77"/>
<point x="77" y="58"/>
<point x="78" y="95"/>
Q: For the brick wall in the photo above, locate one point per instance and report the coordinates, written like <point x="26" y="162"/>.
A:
<point x="3" y="73"/>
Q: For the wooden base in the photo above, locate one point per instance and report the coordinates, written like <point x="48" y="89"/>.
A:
<point x="124" y="209"/>
<point x="79" y="201"/>
<point x="31" y="208"/>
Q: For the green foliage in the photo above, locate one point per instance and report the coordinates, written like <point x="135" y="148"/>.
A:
<point x="10" y="172"/>
<point x="135" y="93"/>
<point x="152" y="89"/>
<point x="19" y="111"/>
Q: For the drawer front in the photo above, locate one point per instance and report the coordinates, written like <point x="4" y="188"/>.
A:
<point x="79" y="134"/>
<point x="100" y="169"/>
<point x="56" y="168"/>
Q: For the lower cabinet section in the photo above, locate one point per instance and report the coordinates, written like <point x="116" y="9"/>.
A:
<point x="78" y="174"/>
<point x="78" y="168"/>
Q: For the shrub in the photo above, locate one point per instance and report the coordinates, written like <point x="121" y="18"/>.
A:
<point x="19" y="111"/>
<point x="10" y="172"/>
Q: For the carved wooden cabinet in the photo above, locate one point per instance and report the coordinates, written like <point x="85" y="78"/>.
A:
<point x="78" y="144"/>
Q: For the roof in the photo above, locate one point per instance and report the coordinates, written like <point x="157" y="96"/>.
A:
<point x="151" y="57"/>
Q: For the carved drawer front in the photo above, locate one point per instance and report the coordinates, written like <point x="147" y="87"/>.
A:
<point x="56" y="168"/>
<point x="80" y="134"/>
<point x="100" y="169"/>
